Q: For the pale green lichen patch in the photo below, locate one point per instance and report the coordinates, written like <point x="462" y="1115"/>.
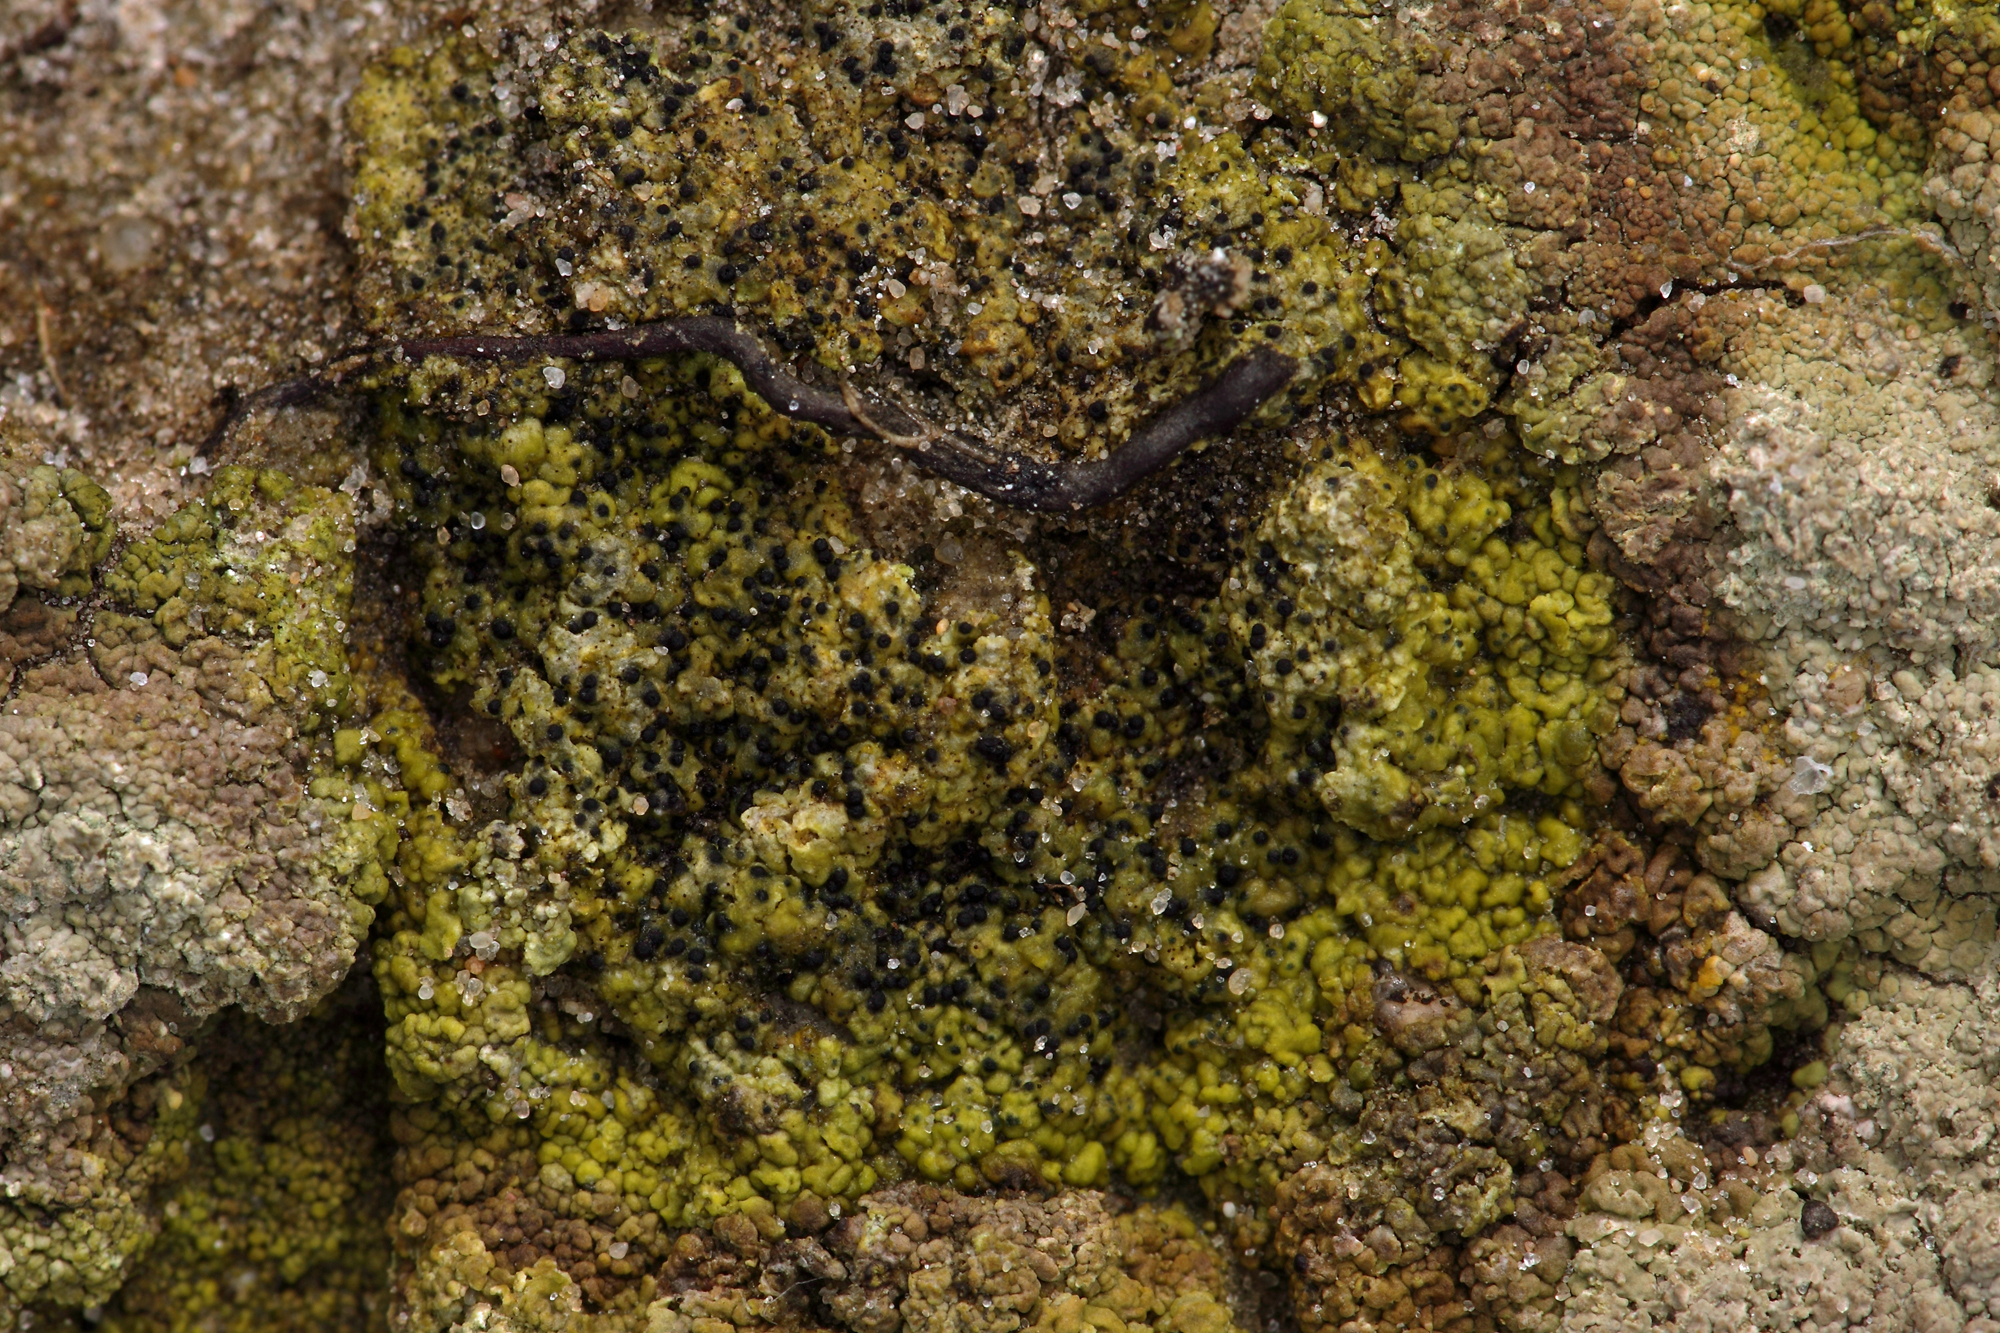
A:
<point x="260" y="559"/>
<point x="173" y="840"/>
<point x="168" y="782"/>
<point x="54" y="527"/>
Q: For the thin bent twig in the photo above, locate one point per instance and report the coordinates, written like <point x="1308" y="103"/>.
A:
<point x="1003" y="477"/>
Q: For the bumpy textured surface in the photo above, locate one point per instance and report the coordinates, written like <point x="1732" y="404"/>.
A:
<point x="1879" y="1214"/>
<point x="865" y="191"/>
<point x="1861" y="561"/>
<point x="855" y="886"/>
<point x="57" y="527"/>
<point x="275" y="1218"/>
<point x="1426" y="729"/>
<point x="168" y="846"/>
<point x="162" y="831"/>
<point x="1504" y="842"/>
<point x="914" y="1257"/>
<point x="1961" y="187"/>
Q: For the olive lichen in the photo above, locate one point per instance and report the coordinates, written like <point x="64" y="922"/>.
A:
<point x="809" y="895"/>
<point x="881" y="203"/>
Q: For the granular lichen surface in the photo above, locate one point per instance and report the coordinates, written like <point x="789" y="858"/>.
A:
<point x="837" y="863"/>
<point x="1476" y="847"/>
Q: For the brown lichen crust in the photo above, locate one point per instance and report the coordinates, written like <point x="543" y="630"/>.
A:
<point x="916" y="1257"/>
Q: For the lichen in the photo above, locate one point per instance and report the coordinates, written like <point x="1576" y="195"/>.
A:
<point x="260" y="557"/>
<point x="877" y="197"/>
<point x="55" y="525"/>
<point x="275" y="1214"/>
<point x="772" y="903"/>
<point x="1428" y="704"/>
<point x="1368" y="77"/>
<point x="221" y="644"/>
<point x="862" y="891"/>
<point x="805" y="875"/>
<point x="174" y="838"/>
<point x="73" y="1225"/>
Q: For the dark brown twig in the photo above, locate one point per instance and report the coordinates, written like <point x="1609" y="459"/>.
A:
<point x="1005" y="478"/>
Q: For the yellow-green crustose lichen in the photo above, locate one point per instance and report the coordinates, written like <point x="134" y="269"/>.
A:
<point x="801" y="883"/>
<point x="54" y="526"/>
<point x="75" y="1243"/>
<point x="1429" y="663"/>
<point x="803" y="889"/>
<point x="262" y="558"/>
<point x="1451" y="289"/>
<point x="274" y="1212"/>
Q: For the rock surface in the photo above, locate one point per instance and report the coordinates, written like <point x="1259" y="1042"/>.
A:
<point x="1504" y="841"/>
